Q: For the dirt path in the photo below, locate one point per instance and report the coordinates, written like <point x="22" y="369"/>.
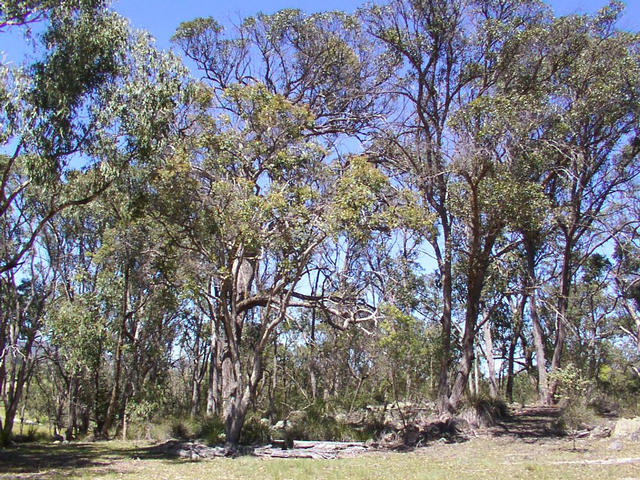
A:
<point x="530" y="423"/>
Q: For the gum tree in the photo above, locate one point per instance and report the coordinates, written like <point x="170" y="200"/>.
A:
<point x="98" y="98"/>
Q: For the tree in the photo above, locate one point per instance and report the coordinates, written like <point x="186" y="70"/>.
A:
<point x="447" y="142"/>
<point x="76" y="119"/>
<point x="591" y="137"/>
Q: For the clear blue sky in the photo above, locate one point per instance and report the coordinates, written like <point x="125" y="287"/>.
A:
<point x="161" y="17"/>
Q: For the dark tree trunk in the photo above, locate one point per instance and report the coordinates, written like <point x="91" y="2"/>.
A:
<point x="117" y="368"/>
<point x="445" y="342"/>
<point x="561" y="312"/>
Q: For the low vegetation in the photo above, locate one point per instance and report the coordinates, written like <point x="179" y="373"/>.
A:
<point x="479" y="458"/>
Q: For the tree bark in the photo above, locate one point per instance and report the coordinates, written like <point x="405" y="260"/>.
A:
<point x="491" y="365"/>
<point x="561" y="312"/>
<point x="538" y="334"/>
<point x="445" y="322"/>
<point x="117" y="369"/>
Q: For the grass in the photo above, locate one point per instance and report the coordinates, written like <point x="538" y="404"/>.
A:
<point x="480" y="458"/>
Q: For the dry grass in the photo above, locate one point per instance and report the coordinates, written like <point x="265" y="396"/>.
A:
<point x="480" y="458"/>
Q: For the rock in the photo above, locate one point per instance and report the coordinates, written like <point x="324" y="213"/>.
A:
<point x="605" y="407"/>
<point x="625" y="427"/>
<point x="635" y="436"/>
<point x="184" y="453"/>
<point x="615" y="446"/>
<point x="371" y="443"/>
<point x="601" y="431"/>
<point x="341" y="418"/>
<point x="411" y="437"/>
<point x="296" y="416"/>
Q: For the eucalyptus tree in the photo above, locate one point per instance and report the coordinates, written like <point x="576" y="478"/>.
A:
<point x="98" y="98"/>
<point x="75" y="338"/>
<point x="598" y="147"/>
<point x="585" y="71"/>
<point x="452" y="137"/>
<point x="291" y="85"/>
<point x="321" y="61"/>
<point x="261" y="203"/>
<point x="24" y="302"/>
<point x="626" y="270"/>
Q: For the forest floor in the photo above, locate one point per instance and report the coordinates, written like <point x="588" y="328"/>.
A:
<point x="523" y="447"/>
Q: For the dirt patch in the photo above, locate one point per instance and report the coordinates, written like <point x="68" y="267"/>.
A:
<point x="530" y="423"/>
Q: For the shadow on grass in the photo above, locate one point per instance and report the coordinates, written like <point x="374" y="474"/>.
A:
<point x="531" y="424"/>
<point x="44" y="461"/>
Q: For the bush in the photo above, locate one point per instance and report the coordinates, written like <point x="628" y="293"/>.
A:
<point x="484" y="411"/>
<point x="571" y="390"/>
<point x="211" y="429"/>
<point x="316" y="424"/>
<point x="525" y="389"/>
<point x="33" y="434"/>
<point x="255" y="431"/>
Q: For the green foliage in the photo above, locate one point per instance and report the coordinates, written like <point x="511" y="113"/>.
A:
<point x="571" y="384"/>
<point x="145" y="207"/>
<point x="255" y="431"/>
<point x="524" y="389"/>
<point x="316" y="423"/>
<point x="484" y="411"/>
<point x="34" y="434"/>
<point x="211" y="429"/>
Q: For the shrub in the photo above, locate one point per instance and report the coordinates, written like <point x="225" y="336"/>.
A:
<point x="211" y="429"/>
<point x="255" y="431"/>
<point x="484" y="411"/>
<point x="315" y="424"/>
<point x="33" y="434"/>
<point x="571" y="389"/>
<point x="524" y="389"/>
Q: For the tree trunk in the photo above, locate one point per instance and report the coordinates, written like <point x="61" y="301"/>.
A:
<point x="235" y="399"/>
<point x="14" y="392"/>
<point x="195" y="397"/>
<point x="476" y="271"/>
<point x="561" y="312"/>
<point x="538" y="334"/>
<point x="491" y="366"/>
<point x="117" y="369"/>
<point x="213" y="390"/>
<point x="445" y="342"/>
<point x="72" y="414"/>
<point x="513" y="343"/>
<point x="466" y="364"/>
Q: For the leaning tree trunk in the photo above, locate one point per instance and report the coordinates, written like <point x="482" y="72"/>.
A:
<point x="16" y="380"/>
<point x="468" y="339"/>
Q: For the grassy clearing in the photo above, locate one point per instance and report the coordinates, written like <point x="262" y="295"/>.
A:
<point x="491" y="459"/>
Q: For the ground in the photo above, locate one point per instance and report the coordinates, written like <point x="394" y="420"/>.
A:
<point x="523" y="448"/>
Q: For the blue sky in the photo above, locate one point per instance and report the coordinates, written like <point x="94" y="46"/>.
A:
<point x="161" y="17"/>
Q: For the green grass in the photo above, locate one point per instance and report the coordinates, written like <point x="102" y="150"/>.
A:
<point x="491" y="459"/>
